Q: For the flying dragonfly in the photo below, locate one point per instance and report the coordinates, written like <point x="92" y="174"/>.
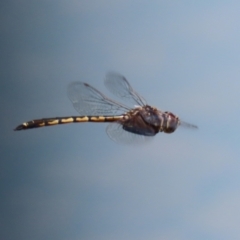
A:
<point x="125" y="124"/>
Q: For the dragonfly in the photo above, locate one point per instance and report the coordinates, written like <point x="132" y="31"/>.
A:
<point x="126" y="124"/>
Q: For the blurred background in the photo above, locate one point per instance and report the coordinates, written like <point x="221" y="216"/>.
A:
<point x="72" y="182"/>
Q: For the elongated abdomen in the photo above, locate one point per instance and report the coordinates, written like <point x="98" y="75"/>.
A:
<point x="63" y="120"/>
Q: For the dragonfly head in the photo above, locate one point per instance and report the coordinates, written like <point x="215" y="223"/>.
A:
<point x="172" y="122"/>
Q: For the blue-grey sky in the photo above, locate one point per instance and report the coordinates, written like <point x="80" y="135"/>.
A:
<point x="72" y="182"/>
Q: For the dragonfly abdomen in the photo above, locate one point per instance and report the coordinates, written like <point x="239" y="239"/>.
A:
<point x="63" y="120"/>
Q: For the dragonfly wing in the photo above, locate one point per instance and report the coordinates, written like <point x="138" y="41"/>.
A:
<point x="120" y="87"/>
<point x="89" y="101"/>
<point x="116" y="132"/>
<point x="187" y="125"/>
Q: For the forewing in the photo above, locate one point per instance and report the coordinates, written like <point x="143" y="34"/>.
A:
<point x="187" y="125"/>
<point x="120" y="87"/>
<point x="89" y="101"/>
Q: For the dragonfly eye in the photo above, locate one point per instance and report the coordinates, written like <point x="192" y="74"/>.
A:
<point x="172" y="123"/>
<point x="169" y="114"/>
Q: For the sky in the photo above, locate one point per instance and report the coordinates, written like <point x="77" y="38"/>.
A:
<point x="73" y="182"/>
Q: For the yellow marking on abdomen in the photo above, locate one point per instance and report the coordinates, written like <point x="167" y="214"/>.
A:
<point x="67" y="120"/>
<point x="113" y="118"/>
<point x="82" y="119"/>
<point x="53" y="122"/>
<point x="97" y="119"/>
<point x="105" y="118"/>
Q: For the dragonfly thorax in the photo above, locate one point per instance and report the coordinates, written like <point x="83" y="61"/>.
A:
<point x="148" y="121"/>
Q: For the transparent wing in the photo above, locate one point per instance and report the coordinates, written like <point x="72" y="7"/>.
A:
<point x="89" y="101"/>
<point x="187" y="125"/>
<point x="116" y="132"/>
<point x="120" y="87"/>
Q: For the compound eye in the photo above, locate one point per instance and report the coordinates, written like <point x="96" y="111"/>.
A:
<point x="171" y="115"/>
<point x="172" y="123"/>
<point x="169" y="129"/>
